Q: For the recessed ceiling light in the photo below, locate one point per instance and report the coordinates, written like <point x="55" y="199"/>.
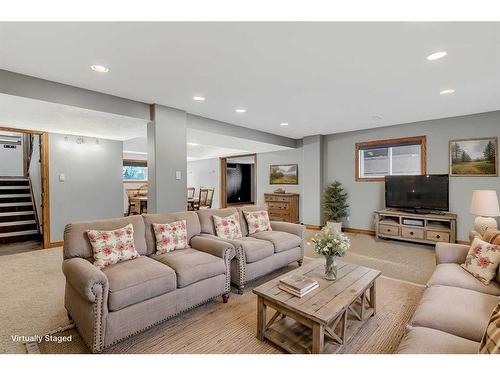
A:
<point x="99" y="68"/>
<point x="284" y="124"/>
<point x="241" y="110"/>
<point x="193" y="144"/>
<point x="199" y="98"/>
<point x="446" y="92"/>
<point x="437" y="55"/>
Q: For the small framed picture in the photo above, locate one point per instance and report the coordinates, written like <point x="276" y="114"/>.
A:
<point x="474" y="157"/>
<point x="284" y="174"/>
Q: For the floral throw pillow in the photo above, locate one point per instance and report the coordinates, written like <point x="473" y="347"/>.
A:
<point x="258" y="221"/>
<point x="171" y="236"/>
<point x="482" y="260"/>
<point x="113" y="246"/>
<point x="228" y="227"/>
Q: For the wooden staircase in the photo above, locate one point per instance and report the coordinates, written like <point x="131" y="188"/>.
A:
<point x="17" y="213"/>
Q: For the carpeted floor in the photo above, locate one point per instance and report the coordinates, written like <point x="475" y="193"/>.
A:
<point x="33" y="290"/>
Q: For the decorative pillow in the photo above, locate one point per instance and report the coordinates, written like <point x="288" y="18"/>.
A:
<point x="258" y="221"/>
<point x="171" y="236"/>
<point x="482" y="260"/>
<point x="228" y="227"/>
<point x="114" y="246"/>
<point x="490" y="344"/>
<point x="492" y="236"/>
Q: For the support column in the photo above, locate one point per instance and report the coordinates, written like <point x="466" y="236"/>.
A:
<point x="312" y="173"/>
<point x="167" y="160"/>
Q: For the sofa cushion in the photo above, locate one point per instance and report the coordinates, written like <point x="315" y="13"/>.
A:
<point x="452" y="274"/>
<point x="254" y="248"/>
<point x="460" y="312"/>
<point x="483" y="260"/>
<point x="112" y="246"/>
<point x="137" y="280"/>
<point x="191" y="265"/>
<point x="281" y="241"/>
<point x="422" y="340"/>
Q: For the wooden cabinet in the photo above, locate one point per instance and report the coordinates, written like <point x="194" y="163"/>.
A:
<point x="423" y="228"/>
<point x="283" y="206"/>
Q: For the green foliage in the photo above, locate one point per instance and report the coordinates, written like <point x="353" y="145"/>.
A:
<point x="489" y="151"/>
<point x="335" y="202"/>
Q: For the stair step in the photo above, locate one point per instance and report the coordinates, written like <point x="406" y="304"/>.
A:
<point x="15" y="204"/>
<point x="16" y="213"/>
<point x="19" y="222"/>
<point x="14" y="187"/>
<point x="15" y="195"/>
<point x="21" y="233"/>
<point x="14" y="182"/>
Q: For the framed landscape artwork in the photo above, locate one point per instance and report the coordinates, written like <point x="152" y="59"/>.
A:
<point x="284" y="174"/>
<point x="474" y="157"/>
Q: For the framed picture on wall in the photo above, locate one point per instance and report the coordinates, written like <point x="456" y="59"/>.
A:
<point x="473" y="157"/>
<point x="284" y="174"/>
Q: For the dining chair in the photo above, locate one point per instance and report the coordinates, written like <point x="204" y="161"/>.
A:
<point x="190" y="192"/>
<point x="132" y="207"/>
<point x="205" y="198"/>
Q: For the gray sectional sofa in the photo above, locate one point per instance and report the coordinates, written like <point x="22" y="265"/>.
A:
<point x="455" y="308"/>
<point x="116" y="302"/>
<point x="260" y="253"/>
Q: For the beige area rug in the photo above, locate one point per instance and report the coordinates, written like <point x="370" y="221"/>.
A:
<point x="219" y="328"/>
<point x="397" y="259"/>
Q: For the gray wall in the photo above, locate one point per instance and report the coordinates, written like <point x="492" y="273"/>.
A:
<point x="166" y="156"/>
<point x="264" y="160"/>
<point x="11" y="160"/>
<point x="312" y="172"/>
<point x="205" y="173"/>
<point x="365" y="197"/>
<point x="36" y="178"/>
<point x="93" y="186"/>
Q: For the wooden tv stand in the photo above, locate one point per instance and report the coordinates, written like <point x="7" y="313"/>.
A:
<point x="423" y="228"/>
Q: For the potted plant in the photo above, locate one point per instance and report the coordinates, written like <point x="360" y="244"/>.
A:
<point x="335" y="205"/>
<point x="331" y="244"/>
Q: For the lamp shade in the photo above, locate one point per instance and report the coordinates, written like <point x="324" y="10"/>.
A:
<point x="485" y="203"/>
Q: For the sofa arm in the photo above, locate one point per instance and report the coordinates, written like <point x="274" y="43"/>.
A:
<point x="297" y="229"/>
<point x="83" y="276"/>
<point x="451" y="253"/>
<point x="214" y="247"/>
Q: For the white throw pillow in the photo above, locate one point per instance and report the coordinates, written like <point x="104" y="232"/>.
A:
<point x="228" y="228"/>
<point x="171" y="236"/>
<point x="258" y="221"/>
<point x="483" y="260"/>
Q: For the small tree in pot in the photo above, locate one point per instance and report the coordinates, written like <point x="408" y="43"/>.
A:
<point x="335" y="205"/>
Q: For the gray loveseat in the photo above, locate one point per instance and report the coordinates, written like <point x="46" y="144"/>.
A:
<point x="121" y="300"/>
<point x="260" y="253"/>
<point x="455" y="308"/>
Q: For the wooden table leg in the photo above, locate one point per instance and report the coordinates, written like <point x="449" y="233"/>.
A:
<point x="373" y="298"/>
<point x="261" y="318"/>
<point x="318" y="339"/>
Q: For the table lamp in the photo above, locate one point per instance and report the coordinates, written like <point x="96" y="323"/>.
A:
<point x="485" y="206"/>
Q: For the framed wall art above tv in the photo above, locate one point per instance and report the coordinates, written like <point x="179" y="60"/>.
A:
<point x="474" y="157"/>
<point x="284" y="174"/>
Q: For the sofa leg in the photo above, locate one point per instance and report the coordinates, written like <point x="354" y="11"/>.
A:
<point x="225" y="297"/>
<point x="240" y="288"/>
<point x="300" y="262"/>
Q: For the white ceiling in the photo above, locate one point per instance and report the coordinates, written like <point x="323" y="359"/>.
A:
<point x="319" y="77"/>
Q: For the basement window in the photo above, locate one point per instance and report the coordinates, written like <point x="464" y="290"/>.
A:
<point x="135" y="170"/>
<point x="390" y="157"/>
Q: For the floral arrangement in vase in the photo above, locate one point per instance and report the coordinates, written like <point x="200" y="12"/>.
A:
<point x="331" y="244"/>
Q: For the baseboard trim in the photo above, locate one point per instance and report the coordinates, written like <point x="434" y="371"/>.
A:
<point x="460" y="242"/>
<point x="368" y="232"/>
<point x="313" y="227"/>
<point x="55" y="244"/>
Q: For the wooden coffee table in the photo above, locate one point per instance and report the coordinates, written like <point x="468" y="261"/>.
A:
<point x="324" y="320"/>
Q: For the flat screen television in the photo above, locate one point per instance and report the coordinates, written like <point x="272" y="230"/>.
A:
<point x="417" y="193"/>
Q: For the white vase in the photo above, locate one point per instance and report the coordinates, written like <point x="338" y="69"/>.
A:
<point x="334" y="225"/>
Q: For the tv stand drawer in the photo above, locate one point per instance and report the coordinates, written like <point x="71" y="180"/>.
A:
<point x="438" y="236"/>
<point x="388" y="229"/>
<point x="412" y="233"/>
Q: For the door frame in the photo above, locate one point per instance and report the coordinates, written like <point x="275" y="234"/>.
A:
<point x="223" y="168"/>
<point x="44" y="171"/>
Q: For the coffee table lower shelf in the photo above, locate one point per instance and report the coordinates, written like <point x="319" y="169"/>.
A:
<point x="296" y="338"/>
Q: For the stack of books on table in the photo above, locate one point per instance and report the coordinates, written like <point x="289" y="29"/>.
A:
<point x="298" y="285"/>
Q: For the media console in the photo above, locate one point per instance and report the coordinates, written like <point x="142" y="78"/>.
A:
<point x="424" y="228"/>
